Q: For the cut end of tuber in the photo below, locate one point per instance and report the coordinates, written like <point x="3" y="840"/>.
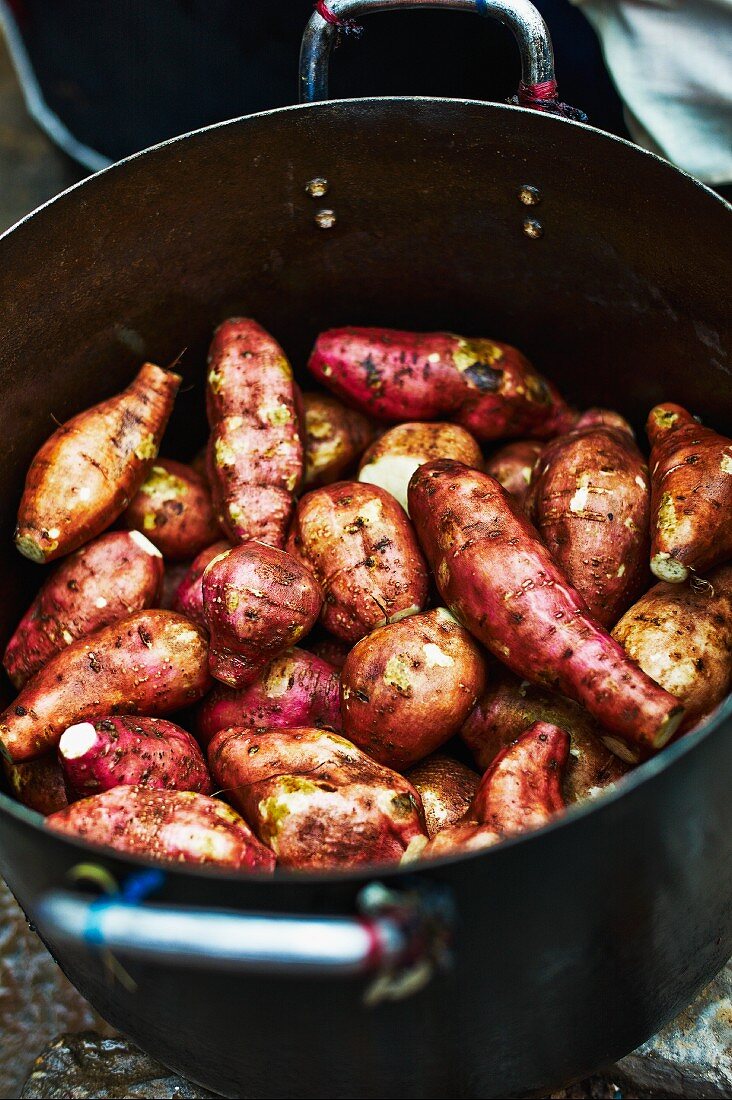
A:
<point x="669" y="727"/>
<point x="77" y="740"/>
<point x="29" y="548"/>
<point x="145" y="544"/>
<point x="392" y="473"/>
<point x="668" y="569"/>
<point x="620" y="749"/>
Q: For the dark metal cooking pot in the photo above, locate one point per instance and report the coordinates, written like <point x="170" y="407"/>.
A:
<point x="569" y="946"/>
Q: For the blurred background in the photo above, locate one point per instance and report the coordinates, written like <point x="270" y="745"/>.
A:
<point x="104" y="79"/>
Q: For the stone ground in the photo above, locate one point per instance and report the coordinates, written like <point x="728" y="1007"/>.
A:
<point x="52" y="1043"/>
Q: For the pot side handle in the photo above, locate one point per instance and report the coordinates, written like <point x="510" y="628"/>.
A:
<point x="398" y="934"/>
<point x="520" y="16"/>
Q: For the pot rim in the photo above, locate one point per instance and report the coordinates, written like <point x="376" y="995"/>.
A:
<point x="364" y="101"/>
<point x="669" y="757"/>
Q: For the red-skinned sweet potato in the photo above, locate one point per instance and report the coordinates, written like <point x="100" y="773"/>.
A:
<point x="408" y="687"/>
<point x="177" y="826"/>
<point x="498" y="579"/>
<point x="144" y="752"/>
<point x="363" y="551"/>
<point x="116" y="574"/>
<point x="38" y="784"/>
<point x="85" y="475"/>
<point x="446" y="788"/>
<point x="173" y="508"/>
<point x="255" y="458"/>
<point x="393" y="458"/>
<point x="682" y="637"/>
<point x="590" y="502"/>
<point x="316" y="799"/>
<point x="152" y="662"/>
<point x="486" y="387"/>
<point x="521" y="791"/>
<point x="512" y="466"/>
<point x="509" y="706"/>
<point x="295" y="689"/>
<point x="188" y="599"/>
<point x="335" y="437"/>
<point x="258" y="602"/>
<point x="691" y="495"/>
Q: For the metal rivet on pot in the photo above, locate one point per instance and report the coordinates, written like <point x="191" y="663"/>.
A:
<point x="325" y="219"/>
<point x="529" y="195"/>
<point x="317" y="187"/>
<point x="533" y="228"/>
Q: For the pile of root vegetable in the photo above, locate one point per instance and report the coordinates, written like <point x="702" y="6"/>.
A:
<point x="352" y="594"/>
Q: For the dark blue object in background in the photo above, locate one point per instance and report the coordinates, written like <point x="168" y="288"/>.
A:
<point x="121" y="76"/>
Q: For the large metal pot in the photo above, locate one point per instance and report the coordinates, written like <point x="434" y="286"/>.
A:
<point x="569" y="946"/>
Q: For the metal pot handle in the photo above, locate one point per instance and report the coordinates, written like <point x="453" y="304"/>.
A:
<point x="398" y="933"/>
<point x="520" y="16"/>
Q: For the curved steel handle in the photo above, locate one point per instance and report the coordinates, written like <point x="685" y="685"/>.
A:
<point x="520" y="16"/>
<point x="396" y="933"/>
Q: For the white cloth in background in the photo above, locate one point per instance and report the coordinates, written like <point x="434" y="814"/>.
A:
<point x="671" y="61"/>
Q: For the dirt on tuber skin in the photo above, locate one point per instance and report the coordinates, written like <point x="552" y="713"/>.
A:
<point x="151" y="663"/>
<point x="393" y="458"/>
<point x="316" y="799"/>
<point x="488" y="388"/>
<point x="590" y="502"/>
<point x="145" y="752"/>
<point x="681" y="636"/>
<point x="256" y="453"/>
<point x="362" y="548"/>
<point x="295" y="689"/>
<point x="498" y="579"/>
<point x="408" y="687"/>
<point x="521" y="791"/>
<point x="85" y="475"/>
<point x="258" y="602"/>
<point x="111" y="577"/>
<point x="177" y="826"/>
<point x="173" y="509"/>
<point x="509" y="706"/>
<point x="335" y="438"/>
<point x="691" y="495"/>
<point x="446" y="788"/>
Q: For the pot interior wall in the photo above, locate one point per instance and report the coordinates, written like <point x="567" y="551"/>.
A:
<point x="620" y="300"/>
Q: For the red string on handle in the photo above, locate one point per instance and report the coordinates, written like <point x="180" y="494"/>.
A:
<point x="544" y="97"/>
<point x="347" y="26"/>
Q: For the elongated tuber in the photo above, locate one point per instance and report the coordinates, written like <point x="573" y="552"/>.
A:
<point x="501" y="582"/>
<point x="152" y="662"/>
<point x="177" y="826"/>
<point x="691" y="495"/>
<point x="316" y="799"/>
<point x="255" y="456"/>
<point x="111" y="577"/>
<point x="86" y="474"/>
<point x="489" y="388"/>
<point x="146" y="752"/>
